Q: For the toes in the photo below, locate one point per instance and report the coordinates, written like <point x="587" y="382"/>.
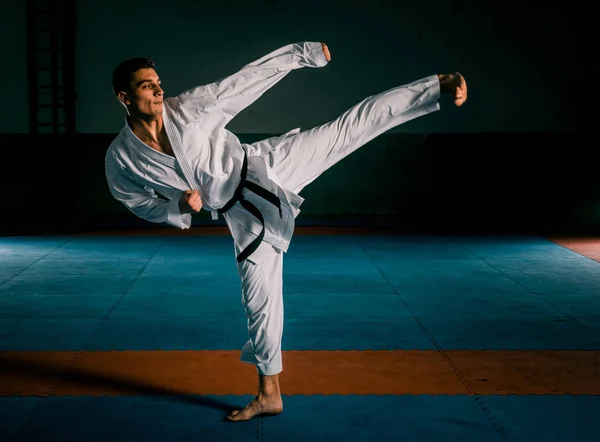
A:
<point x="460" y="95"/>
<point x="231" y="415"/>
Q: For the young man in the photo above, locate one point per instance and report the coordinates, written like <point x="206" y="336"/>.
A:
<point x="178" y="148"/>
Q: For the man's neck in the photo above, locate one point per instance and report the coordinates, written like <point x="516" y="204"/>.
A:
<point x="147" y="130"/>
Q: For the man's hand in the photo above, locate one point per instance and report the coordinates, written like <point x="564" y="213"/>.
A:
<point x="190" y="202"/>
<point x="326" y="52"/>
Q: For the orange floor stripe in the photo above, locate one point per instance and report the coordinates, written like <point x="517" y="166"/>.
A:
<point x="31" y="373"/>
<point x="530" y="372"/>
<point x="586" y="246"/>
<point x="305" y="373"/>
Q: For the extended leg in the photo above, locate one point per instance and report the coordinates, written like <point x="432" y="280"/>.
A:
<point x="301" y="158"/>
<point x="262" y="297"/>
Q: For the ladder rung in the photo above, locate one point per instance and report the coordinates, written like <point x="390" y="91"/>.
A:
<point x="46" y="68"/>
<point x="51" y="124"/>
<point x="50" y="87"/>
<point x="58" y="106"/>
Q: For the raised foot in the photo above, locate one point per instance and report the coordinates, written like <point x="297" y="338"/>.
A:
<point x="455" y="85"/>
<point x="260" y="406"/>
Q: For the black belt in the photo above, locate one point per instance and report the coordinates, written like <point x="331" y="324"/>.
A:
<point x="238" y="196"/>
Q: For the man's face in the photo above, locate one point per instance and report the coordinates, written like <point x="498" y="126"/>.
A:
<point x="146" y="96"/>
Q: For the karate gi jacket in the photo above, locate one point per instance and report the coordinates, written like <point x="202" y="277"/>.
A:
<point x="208" y="158"/>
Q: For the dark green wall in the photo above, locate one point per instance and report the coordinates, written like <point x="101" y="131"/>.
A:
<point x="526" y="61"/>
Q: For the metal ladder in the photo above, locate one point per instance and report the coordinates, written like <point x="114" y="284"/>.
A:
<point x="51" y="66"/>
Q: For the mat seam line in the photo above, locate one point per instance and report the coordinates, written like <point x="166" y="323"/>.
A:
<point x="500" y="430"/>
<point x="41" y="400"/>
<point x="35" y="262"/>
<point x="565" y="315"/>
<point x="75" y="357"/>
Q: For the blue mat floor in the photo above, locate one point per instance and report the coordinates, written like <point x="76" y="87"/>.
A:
<point x="341" y="293"/>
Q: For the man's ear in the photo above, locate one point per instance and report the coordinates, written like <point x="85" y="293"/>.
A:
<point x="123" y="98"/>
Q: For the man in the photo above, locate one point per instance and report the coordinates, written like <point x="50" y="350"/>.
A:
<point x="178" y="148"/>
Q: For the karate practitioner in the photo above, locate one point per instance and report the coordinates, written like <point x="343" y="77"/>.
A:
<point x="174" y="156"/>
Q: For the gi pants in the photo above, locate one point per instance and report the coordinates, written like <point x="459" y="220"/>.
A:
<point x="297" y="161"/>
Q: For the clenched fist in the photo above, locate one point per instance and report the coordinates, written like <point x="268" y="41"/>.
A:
<point x="190" y="202"/>
<point x="326" y="52"/>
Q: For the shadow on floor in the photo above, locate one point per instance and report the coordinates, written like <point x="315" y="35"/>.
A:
<point x="38" y="371"/>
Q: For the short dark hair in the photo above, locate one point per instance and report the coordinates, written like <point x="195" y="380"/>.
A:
<point x="121" y="79"/>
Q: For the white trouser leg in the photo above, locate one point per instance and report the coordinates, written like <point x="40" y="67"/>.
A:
<point x="262" y="297"/>
<point x="302" y="157"/>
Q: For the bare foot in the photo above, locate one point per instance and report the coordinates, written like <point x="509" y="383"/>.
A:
<point x="260" y="406"/>
<point x="456" y="85"/>
<point x="326" y="52"/>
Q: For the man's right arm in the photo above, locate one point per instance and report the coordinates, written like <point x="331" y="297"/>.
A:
<point x="143" y="201"/>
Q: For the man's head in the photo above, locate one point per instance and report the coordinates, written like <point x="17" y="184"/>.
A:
<point x="137" y="86"/>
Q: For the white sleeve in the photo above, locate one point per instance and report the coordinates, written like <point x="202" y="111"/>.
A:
<point x="143" y="201"/>
<point x="232" y="94"/>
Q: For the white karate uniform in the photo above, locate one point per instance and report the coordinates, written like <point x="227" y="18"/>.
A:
<point x="209" y="158"/>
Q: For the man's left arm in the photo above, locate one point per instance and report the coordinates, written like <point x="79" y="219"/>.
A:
<point x="232" y="94"/>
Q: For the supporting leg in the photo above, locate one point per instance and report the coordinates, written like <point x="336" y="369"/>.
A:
<point x="262" y="297"/>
